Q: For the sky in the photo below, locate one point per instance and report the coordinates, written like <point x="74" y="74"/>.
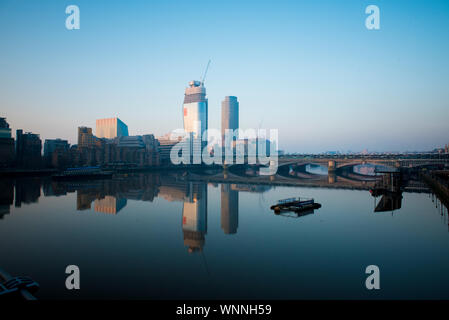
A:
<point x="310" y="69"/>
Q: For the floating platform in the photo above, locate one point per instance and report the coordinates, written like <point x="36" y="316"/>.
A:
<point x="298" y="205"/>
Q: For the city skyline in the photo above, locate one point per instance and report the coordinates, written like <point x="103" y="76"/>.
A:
<point x="356" y="89"/>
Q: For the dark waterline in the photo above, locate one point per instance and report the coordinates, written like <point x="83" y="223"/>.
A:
<point x="160" y="236"/>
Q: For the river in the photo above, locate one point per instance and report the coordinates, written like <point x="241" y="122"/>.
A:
<point x="161" y="236"/>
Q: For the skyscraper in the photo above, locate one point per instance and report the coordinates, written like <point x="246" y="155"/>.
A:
<point x="111" y="128"/>
<point x="229" y="115"/>
<point x="195" y="114"/>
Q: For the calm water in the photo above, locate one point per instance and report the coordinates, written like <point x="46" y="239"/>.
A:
<point x="152" y="236"/>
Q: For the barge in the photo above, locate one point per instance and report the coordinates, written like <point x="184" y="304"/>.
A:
<point x="298" y="205"/>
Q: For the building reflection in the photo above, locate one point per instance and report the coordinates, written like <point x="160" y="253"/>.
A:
<point x="6" y="196"/>
<point x="109" y="204"/>
<point x="111" y="197"/>
<point x="28" y="191"/>
<point x="194" y="217"/>
<point x="229" y="208"/>
<point x="389" y="202"/>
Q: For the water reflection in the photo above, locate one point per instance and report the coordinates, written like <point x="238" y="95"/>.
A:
<point x="229" y="208"/>
<point x="110" y="197"/>
<point x="110" y="204"/>
<point x="6" y="196"/>
<point x="144" y="225"/>
<point x="194" y="217"/>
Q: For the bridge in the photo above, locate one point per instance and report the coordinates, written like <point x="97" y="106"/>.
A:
<point x="344" y="162"/>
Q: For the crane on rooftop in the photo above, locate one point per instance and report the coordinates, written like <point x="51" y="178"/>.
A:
<point x="205" y="73"/>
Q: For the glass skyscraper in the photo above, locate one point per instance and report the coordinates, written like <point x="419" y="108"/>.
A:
<point x="229" y="115"/>
<point x="195" y="115"/>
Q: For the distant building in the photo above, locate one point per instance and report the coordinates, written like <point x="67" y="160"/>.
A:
<point x="50" y="145"/>
<point x="85" y="137"/>
<point x="165" y="144"/>
<point x="132" y="150"/>
<point x="250" y="147"/>
<point x="28" y="149"/>
<point x="111" y="128"/>
<point x="56" y="153"/>
<point x="5" y="131"/>
<point x="229" y="116"/>
<point x="6" y="144"/>
<point x="89" y="148"/>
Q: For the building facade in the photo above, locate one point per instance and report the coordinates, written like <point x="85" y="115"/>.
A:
<point x="195" y="116"/>
<point x="28" y="150"/>
<point x="165" y="144"/>
<point x="6" y="145"/>
<point x="85" y="137"/>
<point x="50" y="145"/>
<point x="111" y="128"/>
<point x="56" y="153"/>
<point x="229" y="116"/>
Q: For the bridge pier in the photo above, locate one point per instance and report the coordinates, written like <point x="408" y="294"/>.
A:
<point x="331" y="166"/>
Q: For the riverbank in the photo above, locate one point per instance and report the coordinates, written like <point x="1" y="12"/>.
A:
<point x="11" y="173"/>
<point x="438" y="184"/>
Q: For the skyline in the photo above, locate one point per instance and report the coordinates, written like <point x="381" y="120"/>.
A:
<point x="383" y="90"/>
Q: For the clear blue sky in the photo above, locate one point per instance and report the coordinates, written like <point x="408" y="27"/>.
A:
<point x="309" y="68"/>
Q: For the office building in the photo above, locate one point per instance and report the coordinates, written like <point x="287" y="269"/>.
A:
<point x="5" y="131"/>
<point x="111" y="128"/>
<point x="28" y="149"/>
<point x="6" y="144"/>
<point x="85" y="137"/>
<point x="165" y="144"/>
<point x="132" y="150"/>
<point x="229" y="116"/>
<point x="56" y="153"/>
<point x="50" y="145"/>
<point x="195" y="115"/>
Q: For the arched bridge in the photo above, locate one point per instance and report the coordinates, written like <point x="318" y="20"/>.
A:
<point x="343" y="163"/>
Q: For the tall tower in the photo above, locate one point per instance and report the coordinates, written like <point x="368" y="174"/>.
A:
<point x="195" y="114"/>
<point x="229" y="115"/>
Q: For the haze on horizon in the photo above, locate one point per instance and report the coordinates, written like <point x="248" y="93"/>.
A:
<point x="308" y="68"/>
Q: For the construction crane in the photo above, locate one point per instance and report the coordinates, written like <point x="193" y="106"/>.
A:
<point x="205" y="73"/>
